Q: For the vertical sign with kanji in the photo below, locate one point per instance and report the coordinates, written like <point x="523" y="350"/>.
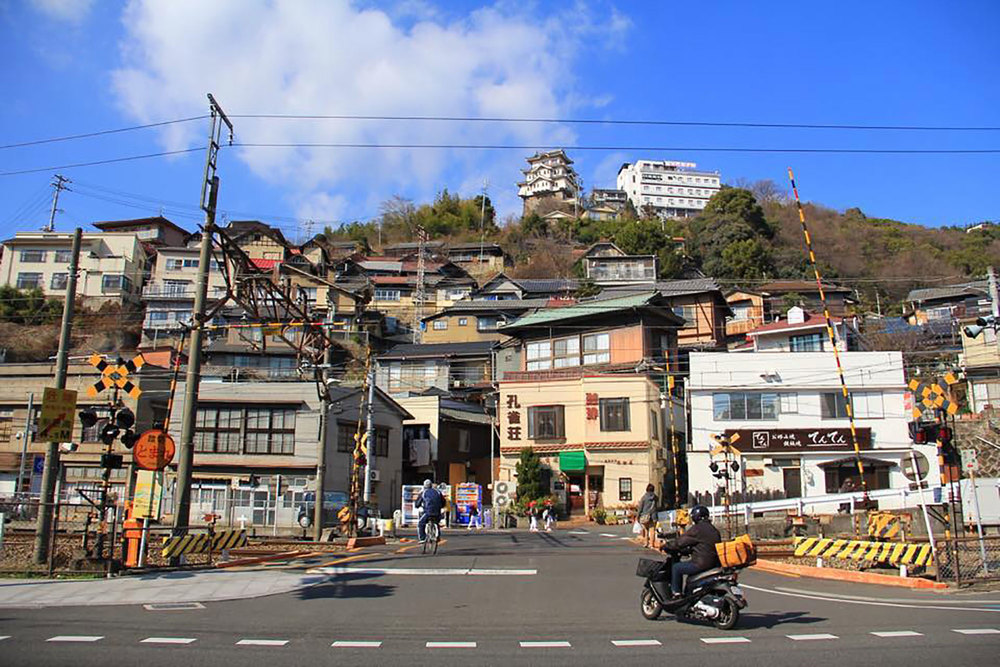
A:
<point x="513" y="418"/>
<point x="593" y="407"/>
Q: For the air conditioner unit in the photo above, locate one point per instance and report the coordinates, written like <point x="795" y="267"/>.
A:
<point x="376" y="476"/>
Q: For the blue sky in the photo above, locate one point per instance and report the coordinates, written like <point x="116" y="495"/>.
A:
<point x="76" y="66"/>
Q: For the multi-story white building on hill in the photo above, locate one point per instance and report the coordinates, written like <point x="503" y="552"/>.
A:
<point x="549" y="179"/>
<point x="672" y="189"/>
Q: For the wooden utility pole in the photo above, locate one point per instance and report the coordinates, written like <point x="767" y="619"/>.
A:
<point x="209" y="196"/>
<point x="51" y="472"/>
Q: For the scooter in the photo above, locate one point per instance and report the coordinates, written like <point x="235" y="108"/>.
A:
<point x="713" y="595"/>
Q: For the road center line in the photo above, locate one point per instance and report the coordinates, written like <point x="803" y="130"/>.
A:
<point x="546" y="645"/>
<point x="425" y="571"/>
<point x="808" y="638"/>
<point x="167" y="640"/>
<point x="897" y="633"/>
<point x="351" y="644"/>
<point x="74" y="638"/>
<point x="450" y="644"/>
<point x="262" y="642"/>
<point x="978" y="631"/>
<point x="635" y="642"/>
<point x="725" y="640"/>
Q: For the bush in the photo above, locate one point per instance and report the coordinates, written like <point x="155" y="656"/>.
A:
<point x="599" y="515"/>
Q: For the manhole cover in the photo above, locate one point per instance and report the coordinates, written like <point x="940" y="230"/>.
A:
<point x="173" y="606"/>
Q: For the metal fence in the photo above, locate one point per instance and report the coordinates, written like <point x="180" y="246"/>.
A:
<point x="967" y="560"/>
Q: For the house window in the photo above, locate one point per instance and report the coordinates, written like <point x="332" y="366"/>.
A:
<point x="744" y="406"/>
<point x="789" y="403"/>
<point x="463" y="321"/>
<point x="868" y="405"/>
<point x="59" y="281"/>
<point x="546" y="422"/>
<point x="345" y="436"/>
<point x="64" y="256"/>
<point x="614" y="414"/>
<point x="625" y="489"/>
<point x="688" y="312"/>
<point x="270" y="430"/>
<point x="597" y="349"/>
<point x="29" y="281"/>
<point x="440" y="325"/>
<point x="833" y="405"/>
<point x="387" y="295"/>
<point x="6" y="423"/>
<point x="463" y="441"/>
<point x="177" y="264"/>
<point x="806" y="343"/>
<point x="566" y="352"/>
<point x="217" y="430"/>
<point x="114" y="283"/>
<point x="382" y="442"/>
<point x="32" y="256"/>
<point x="159" y="315"/>
<point x="539" y="356"/>
<point x="741" y="312"/>
<point x="488" y="323"/>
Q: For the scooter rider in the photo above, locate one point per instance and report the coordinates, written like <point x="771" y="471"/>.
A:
<point x="702" y="537"/>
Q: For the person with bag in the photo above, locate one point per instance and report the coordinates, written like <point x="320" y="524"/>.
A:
<point x="701" y="538"/>
<point x="647" y="516"/>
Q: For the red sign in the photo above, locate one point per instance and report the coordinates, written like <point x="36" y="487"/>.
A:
<point x="154" y="450"/>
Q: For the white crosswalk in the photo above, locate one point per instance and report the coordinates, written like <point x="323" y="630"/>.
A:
<point x="75" y="638"/>
<point x="546" y="645"/>
<point x="625" y="643"/>
<point x="168" y="640"/>
<point x="262" y="642"/>
<point x="809" y="638"/>
<point x="451" y="645"/>
<point x="350" y="644"/>
<point x="897" y="633"/>
<point x="978" y="631"/>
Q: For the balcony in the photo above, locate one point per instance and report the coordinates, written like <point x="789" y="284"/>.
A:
<point x="178" y="292"/>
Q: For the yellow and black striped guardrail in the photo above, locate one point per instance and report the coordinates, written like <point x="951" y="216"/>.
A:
<point x="894" y="553"/>
<point x="203" y="542"/>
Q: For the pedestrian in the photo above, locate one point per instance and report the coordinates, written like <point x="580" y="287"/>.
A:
<point x="533" y="515"/>
<point x="647" y="516"/>
<point x="474" y="518"/>
<point x="549" y="516"/>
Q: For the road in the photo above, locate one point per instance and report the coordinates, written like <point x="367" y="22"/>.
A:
<point x="513" y="598"/>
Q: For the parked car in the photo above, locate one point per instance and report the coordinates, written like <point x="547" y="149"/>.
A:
<point x="333" y="502"/>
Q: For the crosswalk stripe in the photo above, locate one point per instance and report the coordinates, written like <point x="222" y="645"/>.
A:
<point x="545" y="645"/>
<point x="608" y="535"/>
<point x="725" y="640"/>
<point x="978" y="631"/>
<point x="3" y="637"/>
<point x="262" y="642"/>
<point x="635" y="642"/>
<point x="168" y="640"/>
<point x="806" y="638"/>
<point x="897" y="633"/>
<point x="451" y="645"/>
<point x="75" y="638"/>
<point x="351" y="644"/>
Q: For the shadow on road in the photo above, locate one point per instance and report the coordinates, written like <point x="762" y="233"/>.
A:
<point x="346" y="587"/>
<point x="756" y="621"/>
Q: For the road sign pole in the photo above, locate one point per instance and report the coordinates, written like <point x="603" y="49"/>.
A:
<point x="923" y="502"/>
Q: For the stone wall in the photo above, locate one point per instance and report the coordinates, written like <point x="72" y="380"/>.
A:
<point x="968" y="431"/>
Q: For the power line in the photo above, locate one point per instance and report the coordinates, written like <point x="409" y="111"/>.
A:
<point x="99" y="162"/>
<point x="600" y="121"/>
<point x="100" y="133"/>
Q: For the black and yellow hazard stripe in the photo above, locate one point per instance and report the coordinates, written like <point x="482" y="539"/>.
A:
<point x="884" y="526"/>
<point x="229" y="539"/>
<point x="894" y="553"/>
<point x="186" y="544"/>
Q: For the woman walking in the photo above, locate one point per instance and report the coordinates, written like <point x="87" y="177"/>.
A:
<point x="647" y="516"/>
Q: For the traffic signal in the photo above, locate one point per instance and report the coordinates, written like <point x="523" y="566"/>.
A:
<point x="128" y="438"/>
<point x="108" y="433"/>
<point x="124" y="418"/>
<point x="88" y="417"/>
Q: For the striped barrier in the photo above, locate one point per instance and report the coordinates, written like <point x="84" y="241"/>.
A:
<point x="884" y="525"/>
<point x="894" y="553"/>
<point x="203" y="542"/>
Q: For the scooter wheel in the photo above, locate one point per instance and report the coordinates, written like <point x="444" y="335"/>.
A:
<point x="729" y="616"/>
<point x="650" y="606"/>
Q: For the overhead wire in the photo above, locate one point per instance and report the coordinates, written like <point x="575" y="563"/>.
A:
<point x="101" y="133"/>
<point x="93" y="163"/>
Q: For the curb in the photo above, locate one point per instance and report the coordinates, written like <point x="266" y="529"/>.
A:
<point x="848" y="575"/>
<point x="264" y="559"/>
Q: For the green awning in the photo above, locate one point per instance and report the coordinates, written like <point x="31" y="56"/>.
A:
<point x="572" y="461"/>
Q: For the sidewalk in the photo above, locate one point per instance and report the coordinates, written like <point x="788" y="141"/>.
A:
<point x="167" y="587"/>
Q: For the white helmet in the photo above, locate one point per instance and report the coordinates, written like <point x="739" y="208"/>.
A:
<point x="427" y="483"/>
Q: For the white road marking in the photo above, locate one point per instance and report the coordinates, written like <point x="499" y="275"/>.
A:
<point x="350" y="644"/>
<point x="74" y="638"/>
<point x="451" y="644"/>
<point x="479" y="571"/>
<point x="167" y="640"/>
<point x="578" y="532"/>
<point x="898" y="633"/>
<point x="822" y="596"/>
<point x="725" y="640"/>
<point x="546" y="645"/>
<point x="624" y="538"/>
<point x="3" y="637"/>
<point x="608" y="535"/>
<point x="978" y="631"/>
<point x="808" y="638"/>
<point x="262" y="642"/>
<point x="842" y="596"/>
<point x="424" y="571"/>
<point x="635" y="642"/>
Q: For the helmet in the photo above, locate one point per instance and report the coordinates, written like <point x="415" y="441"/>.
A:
<point x="699" y="513"/>
<point x="427" y="483"/>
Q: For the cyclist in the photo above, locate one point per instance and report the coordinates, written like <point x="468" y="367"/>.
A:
<point x="431" y="500"/>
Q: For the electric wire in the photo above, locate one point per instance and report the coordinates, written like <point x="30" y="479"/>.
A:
<point x="93" y="163"/>
<point x="100" y="133"/>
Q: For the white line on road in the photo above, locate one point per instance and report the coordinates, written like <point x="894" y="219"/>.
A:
<point x="3" y="637"/>
<point x="350" y="644"/>
<point x="546" y="645"/>
<point x="635" y="642"/>
<point x="897" y="633"/>
<point x="822" y="596"/>
<point x="451" y="645"/>
<point x="978" y="631"/>
<point x="809" y="638"/>
<point x="882" y="599"/>
<point x="74" y="638"/>
<point x="608" y="535"/>
<point x="425" y="571"/>
<point x="262" y="642"/>
<point x="725" y="640"/>
<point x="578" y="532"/>
<point x="168" y="640"/>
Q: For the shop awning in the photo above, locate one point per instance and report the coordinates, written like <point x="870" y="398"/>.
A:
<point x="851" y="460"/>
<point x="572" y="461"/>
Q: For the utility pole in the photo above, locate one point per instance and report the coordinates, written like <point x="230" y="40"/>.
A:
<point x="59" y="185"/>
<point x="324" y="433"/>
<point x="370" y="437"/>
<point x="482" y="224"/>
<point x="51" y="472"/>
<point x="28" y="421"/>
<point x="209" y="196"/>
<point x="418" y="295"/>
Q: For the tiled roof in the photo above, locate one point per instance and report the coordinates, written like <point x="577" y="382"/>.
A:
<point x="547" y="284"/>
<point x="595" y="307"/>
<point x="949" y="291"/>
<point x="265" y="264"/>
<point x="671" y="287"/>
<point x="438" y="350"/>
<point x="487" y="305"/>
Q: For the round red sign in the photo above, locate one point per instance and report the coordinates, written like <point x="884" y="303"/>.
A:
<point x="154" y="450"/>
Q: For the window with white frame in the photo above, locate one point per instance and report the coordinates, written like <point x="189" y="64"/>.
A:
<point x="812" y="342"/>
<point x="32" y="256"/>
<point x="539" y="356"/>
<point x="868" y="405"/>
<point x="64" y="256"/>
<point x="789" y="403"/>
<point x="487" y="323"/>
<point x="29" y="281"/>
<point x="596" y="349"/>
<point x="463" y="321"/>
<point x="566" y="352"/>
<point x="58" y="281"/>
<point x="440" y="325"/>
<point x="382" y="294"/>
<point x="744" y="406"/>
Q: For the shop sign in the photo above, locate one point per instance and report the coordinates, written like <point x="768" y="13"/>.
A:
<point x="801" y="439"/>
<point x="593" y="407"/>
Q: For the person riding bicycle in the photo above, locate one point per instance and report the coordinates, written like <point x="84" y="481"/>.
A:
<point x="431" y="500"/>
<point x="701" y="537"/>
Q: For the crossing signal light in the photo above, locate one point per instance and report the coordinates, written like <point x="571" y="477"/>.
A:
<point x="124" y="418"/>
<point x="88" y="417"/>
<point x="128" y="438"/>
<point x="108" y="433"/>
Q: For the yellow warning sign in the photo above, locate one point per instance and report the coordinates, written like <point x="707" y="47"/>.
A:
<point x="148" y="492"/>
<point x="58" y="415"/>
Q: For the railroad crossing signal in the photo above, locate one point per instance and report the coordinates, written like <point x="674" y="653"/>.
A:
<point x="932" y="396"/>
<point x="115" y="375"/>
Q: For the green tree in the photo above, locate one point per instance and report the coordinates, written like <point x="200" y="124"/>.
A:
<point x="27" y="306"/>
<point x="529" y="476"/>
<point x="747" y="260"/>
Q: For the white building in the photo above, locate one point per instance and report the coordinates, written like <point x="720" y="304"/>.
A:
<point x="549" y="177"/>
<point x="795" y="436"/>
<point x="673" y="189"/>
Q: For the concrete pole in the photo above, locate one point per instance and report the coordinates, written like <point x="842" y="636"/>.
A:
<point x="324" y="436"/>
<point x="43" y="527"/>
<point x="370" y="437"/>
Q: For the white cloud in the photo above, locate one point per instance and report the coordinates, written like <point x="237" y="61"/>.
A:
<point x="72" y="11"/>
<point x="331" y="57"/>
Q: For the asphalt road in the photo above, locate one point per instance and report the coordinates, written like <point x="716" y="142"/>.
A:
<point x="514" y="598"/>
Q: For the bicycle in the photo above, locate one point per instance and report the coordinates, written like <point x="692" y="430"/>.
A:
<point x="433" y="536"/>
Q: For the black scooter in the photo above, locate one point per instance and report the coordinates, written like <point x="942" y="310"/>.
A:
<point x="712" y="595"/>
